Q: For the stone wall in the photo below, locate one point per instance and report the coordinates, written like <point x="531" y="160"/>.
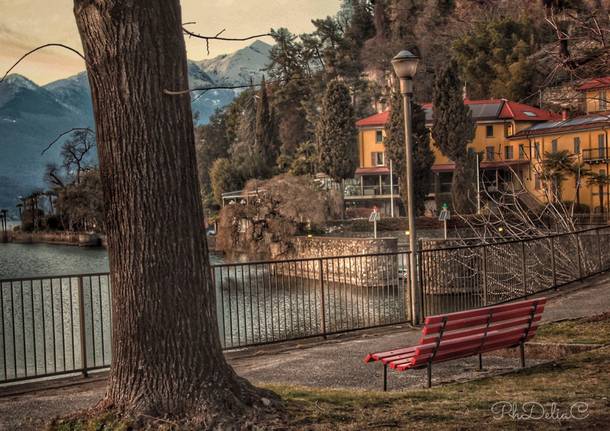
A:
<point x="364" y="266"/>
<point x="82" y="239"/>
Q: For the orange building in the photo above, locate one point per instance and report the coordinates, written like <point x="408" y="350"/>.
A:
<point x="586" y="140"/>
<point x="497" y="120"/>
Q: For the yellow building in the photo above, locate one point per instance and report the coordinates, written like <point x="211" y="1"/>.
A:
<point x="497" y="120"/>
<point x="585" y="137"/>
<point x="513" y="140"/>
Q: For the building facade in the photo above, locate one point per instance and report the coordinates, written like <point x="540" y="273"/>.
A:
<point x="496" y="121"/>
<point x="512" y="140"/>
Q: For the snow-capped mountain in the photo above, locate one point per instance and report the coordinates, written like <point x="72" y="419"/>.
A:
<point x="239" y="67"/>
<point x="31" y="116"/>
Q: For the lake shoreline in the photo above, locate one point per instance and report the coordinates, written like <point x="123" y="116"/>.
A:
<point x="81" y="239"/>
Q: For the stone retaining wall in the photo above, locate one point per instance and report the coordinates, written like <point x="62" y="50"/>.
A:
<point x="65" y="238"/>
<point x="360" y="269"/>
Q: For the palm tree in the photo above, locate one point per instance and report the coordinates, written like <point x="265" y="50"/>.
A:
<point x="580" y="172"/>
<point x="600" y="180"/>
<point x="556" y="166"/>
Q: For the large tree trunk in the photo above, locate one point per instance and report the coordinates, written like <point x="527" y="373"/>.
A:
<point x="167" y="357"/>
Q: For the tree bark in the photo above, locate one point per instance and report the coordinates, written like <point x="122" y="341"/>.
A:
<point x="166" y="351"/>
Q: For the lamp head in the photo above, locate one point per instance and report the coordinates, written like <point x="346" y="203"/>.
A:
<point x="405" y="64"/>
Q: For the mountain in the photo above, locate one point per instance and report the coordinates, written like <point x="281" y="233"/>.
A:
<point x="31" y="116"/>
<point x="239" y="67"/>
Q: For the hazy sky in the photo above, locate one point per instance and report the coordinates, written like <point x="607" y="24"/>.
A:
<point x="25" y="24"/>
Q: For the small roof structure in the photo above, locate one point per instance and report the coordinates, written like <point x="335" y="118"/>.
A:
<point x="595" y="83"/>
<point x="583" y="122"/>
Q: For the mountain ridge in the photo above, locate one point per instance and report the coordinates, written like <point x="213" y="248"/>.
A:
<point x="32" y="115"/>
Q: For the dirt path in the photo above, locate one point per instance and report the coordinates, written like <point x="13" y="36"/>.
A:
<point x="335" y="363"/>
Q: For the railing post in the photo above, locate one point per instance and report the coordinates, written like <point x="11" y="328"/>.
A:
<point x="523" y="268"/>
<point x="81" y="324"/>
<point x="599" y="251"/>
<point x="580" y="274"/>
<point x="484" y="275"/>
<point x="321" y="272"/>
<point x="553" y="267"/>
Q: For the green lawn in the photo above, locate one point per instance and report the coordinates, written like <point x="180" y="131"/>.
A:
<point x="580" y="378"/>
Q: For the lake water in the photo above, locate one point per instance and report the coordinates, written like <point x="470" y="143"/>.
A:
<point x="39" y="260"/>
<point x="41" y="325"/>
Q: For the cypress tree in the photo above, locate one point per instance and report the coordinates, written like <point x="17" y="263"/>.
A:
<point x="423" y="157"/>
<point x="265" y="142"/>
<point x="336" y="133"/>
<point x="452" y="130"/>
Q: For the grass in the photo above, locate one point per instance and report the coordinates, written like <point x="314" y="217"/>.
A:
<point x="579" y="378"/>
<point x="594" y="330"/>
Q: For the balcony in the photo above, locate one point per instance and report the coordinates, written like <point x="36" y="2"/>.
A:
<point x="357" y="191"/>
<point x="596" y="155"/>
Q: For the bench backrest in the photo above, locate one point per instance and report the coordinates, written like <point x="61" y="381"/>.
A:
<point x="460" y="334"/>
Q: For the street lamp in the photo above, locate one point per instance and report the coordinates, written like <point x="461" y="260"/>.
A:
<point x="405" y="66"/>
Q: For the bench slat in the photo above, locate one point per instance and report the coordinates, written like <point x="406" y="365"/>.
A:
<point x="484" y="311"/>
<point x="455" y="324"/>
<point x="450" y="335"/>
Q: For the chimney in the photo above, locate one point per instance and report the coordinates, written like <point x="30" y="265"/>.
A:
<point x="564" y="115"/>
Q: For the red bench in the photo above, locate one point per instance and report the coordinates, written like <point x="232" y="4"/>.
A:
<point x="466" y="333"/>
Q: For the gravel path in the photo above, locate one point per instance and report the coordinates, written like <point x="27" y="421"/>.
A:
<point x="335" y="363"/>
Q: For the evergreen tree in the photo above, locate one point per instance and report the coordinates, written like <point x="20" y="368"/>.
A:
<point x="494" y="58"/>
<point x="224" y="177"/>
<point x="452" y="130"/>
<point x="336" y="133"/>
<point x="265" y="135"/>
<point x="211" y="143"/>
<point x="423" y="157"/>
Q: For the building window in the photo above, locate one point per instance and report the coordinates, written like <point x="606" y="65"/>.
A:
<point x="489" y="131"/>
<point x="508" y="152"/>
<point x="577" y="145"/>
<point x="601" y="145"/>
<point x="508" y="130"/>
<point x="537" y="182"/>
<point x="537" y="150"/>
<point x="378" y="136"/>
<point x="521" y="152"/>
<point x="377" y="159"/>
<point x="602" y="100"/>
<point x="554" y="146"/>
<point x="490" y="153"/>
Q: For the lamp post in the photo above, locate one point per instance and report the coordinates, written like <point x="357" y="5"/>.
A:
<point x="405" y="66"/>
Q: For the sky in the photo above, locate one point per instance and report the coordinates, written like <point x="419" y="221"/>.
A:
<point x="25" y="24"/>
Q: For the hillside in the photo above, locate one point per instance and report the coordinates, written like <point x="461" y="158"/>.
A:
<point x="31" y="116"/>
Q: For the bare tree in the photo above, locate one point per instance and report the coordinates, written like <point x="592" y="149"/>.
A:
<point x="167" y="357"/>
<point x="75" y="152"/>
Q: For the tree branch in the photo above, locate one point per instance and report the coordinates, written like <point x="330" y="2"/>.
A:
<point x="64" y="134"/>
<point x="218" y="37"/>
<point x="60" y="45"/>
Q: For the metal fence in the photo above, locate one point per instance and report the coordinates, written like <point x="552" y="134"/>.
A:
<point x="58" y="325"/>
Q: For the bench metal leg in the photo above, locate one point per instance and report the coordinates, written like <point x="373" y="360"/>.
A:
<point x="480" y="362"/>
<point x="522" y="349"/>
<point x="385" y="377"/>
<point x="429" y="375"/>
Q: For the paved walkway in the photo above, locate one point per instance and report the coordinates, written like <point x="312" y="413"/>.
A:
<point x="335" y="363"/>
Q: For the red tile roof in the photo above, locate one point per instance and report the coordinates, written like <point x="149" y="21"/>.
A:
<point x="520" y="112"/>
<point x="602" y="82"/>
<point x="374" y="120"/>
<point x="373" y="170"/>
<point x="498" y="108"/>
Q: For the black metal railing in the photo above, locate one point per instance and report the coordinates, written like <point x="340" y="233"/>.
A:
<point x="599" y="154"/>
<point x="59" y="325"/>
